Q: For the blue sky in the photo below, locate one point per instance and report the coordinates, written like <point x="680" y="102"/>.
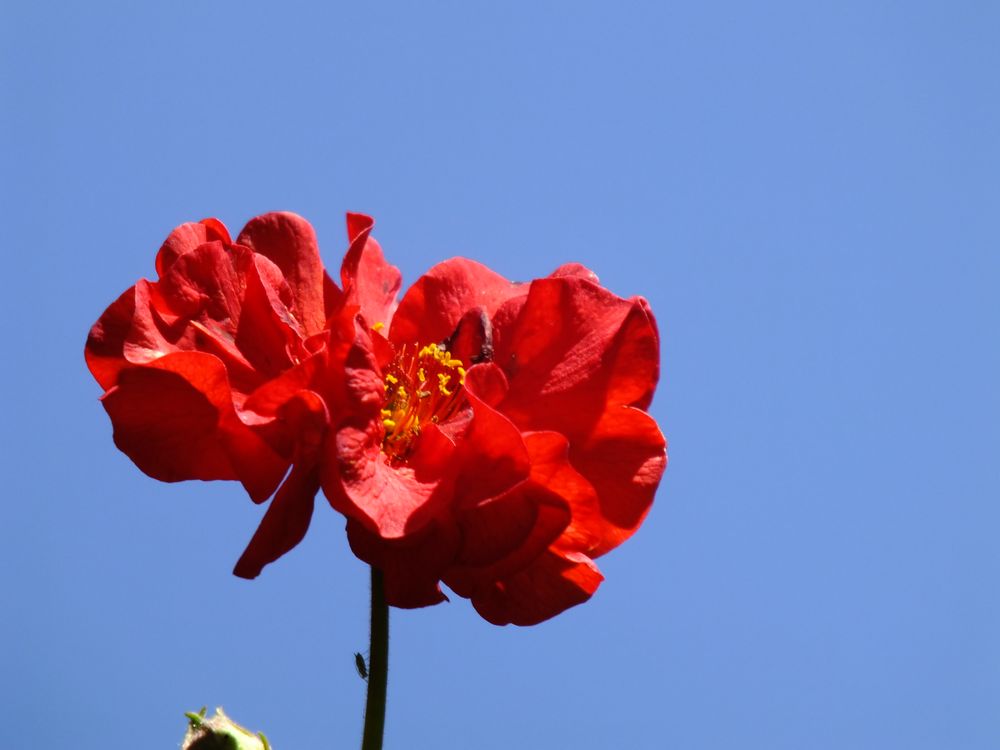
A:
<point x="807" y="194"/>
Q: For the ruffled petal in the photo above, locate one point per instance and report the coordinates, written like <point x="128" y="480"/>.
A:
<point x="504" y="535"/>
<point x="624" y="458"/>
<point x="227" y="301"/>
<point x="553" y="583"/>
<point x="432" y="308"/>
<point x="390" y="500"/>
<point x="575" y="270"/>
<point x="155" y="330"/>
<point x="369" y="282"/>
<point x="104" y="351"/>
<point x="168" y="426"/>
<point x="455" y="464"/>
<point x="578" y="359"/>
<point x="287" y="519"/>
<point x="290" y="242"/>
<point x="551" y="469"/>
<point x="186" y="238"/>
<point x="574" y="348"/>
<point x="175" y="419"/>
<point x="488" y="382"/>
<point x="411" y="567"/>
<point x="491" y="456"/>
<point x="284" y="524"/>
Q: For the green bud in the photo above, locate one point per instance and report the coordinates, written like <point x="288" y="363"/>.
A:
<point x="220" y="733"/>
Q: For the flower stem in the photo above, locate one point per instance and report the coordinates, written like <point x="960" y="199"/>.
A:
<point x="378" y="667"/>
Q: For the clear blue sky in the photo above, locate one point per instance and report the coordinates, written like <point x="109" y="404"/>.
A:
<point x="807" y="193"/>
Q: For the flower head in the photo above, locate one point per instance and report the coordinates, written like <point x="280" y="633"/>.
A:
<point x="486" y="434"/>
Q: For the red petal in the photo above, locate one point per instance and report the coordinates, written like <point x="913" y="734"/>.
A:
<point x="398" y="499"/>
<point x="186" y="238"/>
<point x="577" y="357"/>
<point x="105" y="344"/>
<point x="575" y="270"/>
<point x="268" y="399"/>
<point x="623" y="458"/>
<point x="488" y="382"/>
<point x="434" y="305"/>
<point x="174" y="418"/>
<point x="369" y="282"/>
<point x="411" y="567"/>
<point x="491" y="456"/>
<point x="551" y="468"/>
<point x="577" y="347"/>
<point x="290" y="242"/>
<point x="392" y="500"/>
<point x="504" y="535"/>
<point x="168" y="426"/>
<point x="149" y="337"/>
<point x="647" y="399"/>
<point x="284" y="524"/>
<point x="556" y="506"/>
<point x="211" y="299"/>
<point x="225" y="303"/>
<point x="287" y="519"/>
<point x="550" y="585"/>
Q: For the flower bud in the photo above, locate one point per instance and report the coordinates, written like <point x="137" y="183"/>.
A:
<point x="220" y="733"/>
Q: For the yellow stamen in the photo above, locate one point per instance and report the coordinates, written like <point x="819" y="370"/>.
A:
<point x="410" y="400"/>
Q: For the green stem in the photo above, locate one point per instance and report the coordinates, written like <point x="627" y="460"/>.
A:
<point x="378" y="667"/>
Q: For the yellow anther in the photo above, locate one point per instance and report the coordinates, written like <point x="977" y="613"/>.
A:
<point x="435" y="377"/>
<point x="378" y="326"/>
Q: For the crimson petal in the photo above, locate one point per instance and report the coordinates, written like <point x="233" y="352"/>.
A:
<point x="411" y="567"/>
<point x="577" y="359"/>
<point x="175" y="419"/>
<point x="284" y="524"/>
<point x="186" y="238"/>
<point x="369" y="282"/>
<point x="553" y="583"/>
<point x="432" y="308"/>
<point x="290" y="242"/>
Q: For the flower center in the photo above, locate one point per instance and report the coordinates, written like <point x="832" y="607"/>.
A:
<point x="421" y="387"/>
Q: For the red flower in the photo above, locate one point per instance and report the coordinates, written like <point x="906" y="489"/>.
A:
<point x="488" y="434"/>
